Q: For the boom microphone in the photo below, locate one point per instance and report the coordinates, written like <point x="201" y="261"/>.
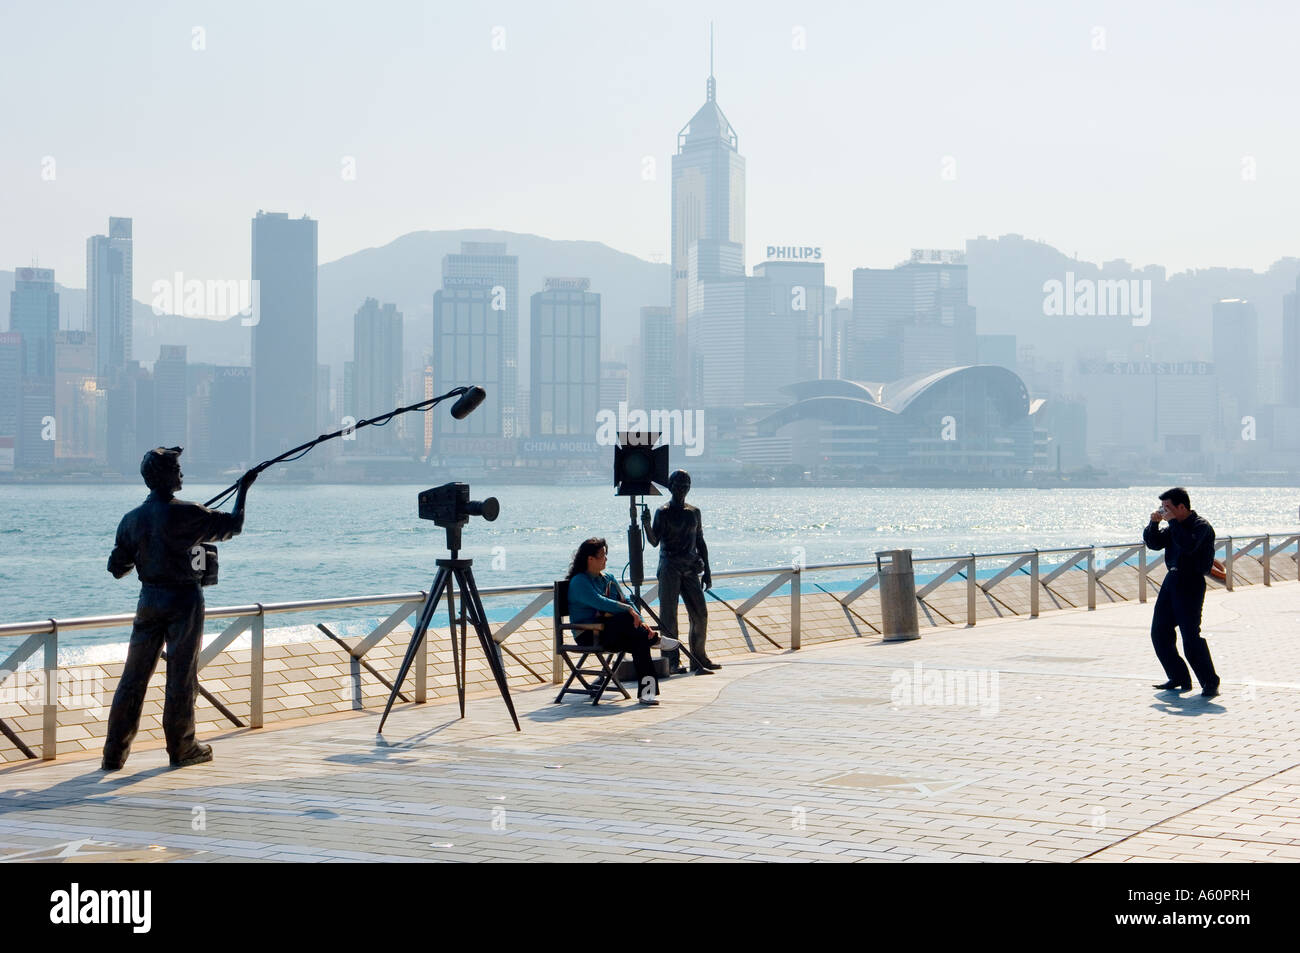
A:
<point x="472" y="397"/>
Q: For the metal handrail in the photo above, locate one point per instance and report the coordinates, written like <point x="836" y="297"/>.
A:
<point x="45" y="626"/>
<point x="44" y="634"/>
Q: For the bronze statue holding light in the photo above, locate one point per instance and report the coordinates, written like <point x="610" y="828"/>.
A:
<point x="678" y="531"/>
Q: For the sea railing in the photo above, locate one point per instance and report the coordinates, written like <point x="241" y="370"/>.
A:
<point x="1043" y="567"/>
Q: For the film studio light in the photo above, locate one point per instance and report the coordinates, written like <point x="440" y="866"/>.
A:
<point x="639" y="464"/>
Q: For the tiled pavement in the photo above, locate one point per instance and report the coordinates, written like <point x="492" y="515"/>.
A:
<point x="1013" y="740"/>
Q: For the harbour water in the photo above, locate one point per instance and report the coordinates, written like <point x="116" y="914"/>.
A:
<point x="317" y="542"/>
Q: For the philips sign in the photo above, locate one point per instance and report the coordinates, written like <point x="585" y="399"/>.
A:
<point x="793" y="253"/>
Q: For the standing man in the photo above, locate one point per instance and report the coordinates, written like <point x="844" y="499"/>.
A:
<point x="678" y="531"/>
<point x="1188" y="542"/>
<point x="160" y="538"/>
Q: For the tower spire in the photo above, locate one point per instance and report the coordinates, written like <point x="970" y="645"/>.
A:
<point x="712" y="89"/>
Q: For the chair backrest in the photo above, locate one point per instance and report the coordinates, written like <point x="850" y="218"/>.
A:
<point x="561" y="599"/>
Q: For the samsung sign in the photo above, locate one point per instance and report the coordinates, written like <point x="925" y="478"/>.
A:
<point x="793" y="253"/>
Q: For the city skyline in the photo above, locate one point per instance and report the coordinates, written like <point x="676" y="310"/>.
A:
<point x="1057" y="175"/>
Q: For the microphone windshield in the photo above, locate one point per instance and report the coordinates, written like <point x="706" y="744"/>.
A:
<point x="467" y="401"/>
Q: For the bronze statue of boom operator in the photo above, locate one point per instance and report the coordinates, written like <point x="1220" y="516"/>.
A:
<point x="160" y="539"/>
<point x="678" y="531"/>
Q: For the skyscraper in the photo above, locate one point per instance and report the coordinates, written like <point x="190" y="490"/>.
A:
<point x="489" y="261"/>
<point x="708" y="203"/>
<point x="377" y="372"/>
<point x="110" y="297"/>
<point x="11" y="395"/>
<point x="912" y="319"/>
<point x="719" y="298"/>
<point x="80" y="406"/>
<point x="468" y="349"/>
<point x="1291" y="347"/>
<point x="789" y="349"/>
<point x="232" y="398"/>
<point x="835" y="336"/>
<point x="34" y="314"/>
<point x="284" y="338"/>
<point x="564" y="391"/>
<point x="171" y="396"/>
<point x="658" y="350"/>
<point x="1236" y="352"/>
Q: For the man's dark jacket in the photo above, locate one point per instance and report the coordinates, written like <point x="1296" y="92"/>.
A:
<point x="1188" y="546"/>
<point x="158" y="535"/>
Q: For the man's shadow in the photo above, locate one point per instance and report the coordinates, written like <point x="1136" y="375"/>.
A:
<point x="1172" y="703"/>
<point x="96" y="785"/>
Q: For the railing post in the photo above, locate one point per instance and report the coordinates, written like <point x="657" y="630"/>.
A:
<point x="1092" y="577"/>
<point x="422" y="665"/>
<point x="1227" y="564"/>
<point x="796" y="591"/>
<point x="50" y="704"/>
<point x="257" y="670"/>
<point x="1142" y="573"/>
<point x="1268" y="572"/>
<point x="1033" y="586"/>
<point x="970" y="590"/>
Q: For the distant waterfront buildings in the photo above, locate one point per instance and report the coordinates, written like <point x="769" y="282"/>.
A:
<point x="999" y="349"/>
<point x="1151" y="414"/>
<point x="34" y="313"/>
<point x="1291" y="347"/>
<point x="784" y="345"/>
<point x="658" y="352"/>
<point x="34" y="316"/>
<point x="110" y="297"/>
<point x="232" y="400"/>
<point x="835" y="336"/>
<point x="614" y="381"/>
<point x="912" y="319"/>
<point x="564" y="391"/>
<point x="1236" y="356"/>
<point x="750" y="337"/>
<point x="377" y="385"/>
<point x="284" y="338"/>
<point x="171" y="397"/>
<point x="11" y="396"/>
<point x="498" y="272"/>
<point x="80" y="406"/>
<point x="468" y="349"/>
<point x="708" y="204"/>
<point x="957" y="421"/>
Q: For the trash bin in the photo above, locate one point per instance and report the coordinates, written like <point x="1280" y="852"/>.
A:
<point x="897" y="595"/>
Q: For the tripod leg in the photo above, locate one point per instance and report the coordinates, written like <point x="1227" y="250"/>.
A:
<point x="457" y="655"/>
<point x="469" y="594"/>
<point x="417" y="637"/>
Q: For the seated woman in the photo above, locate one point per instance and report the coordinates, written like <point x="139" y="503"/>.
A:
<point x="594" y="596"/>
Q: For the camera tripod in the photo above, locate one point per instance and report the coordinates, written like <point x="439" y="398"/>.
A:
<point x="455" y="574"/>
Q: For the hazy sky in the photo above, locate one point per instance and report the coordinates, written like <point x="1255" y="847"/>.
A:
<point x="1132" y="151"/>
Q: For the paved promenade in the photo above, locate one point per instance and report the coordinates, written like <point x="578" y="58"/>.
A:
<point x="1014" y="740"/>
